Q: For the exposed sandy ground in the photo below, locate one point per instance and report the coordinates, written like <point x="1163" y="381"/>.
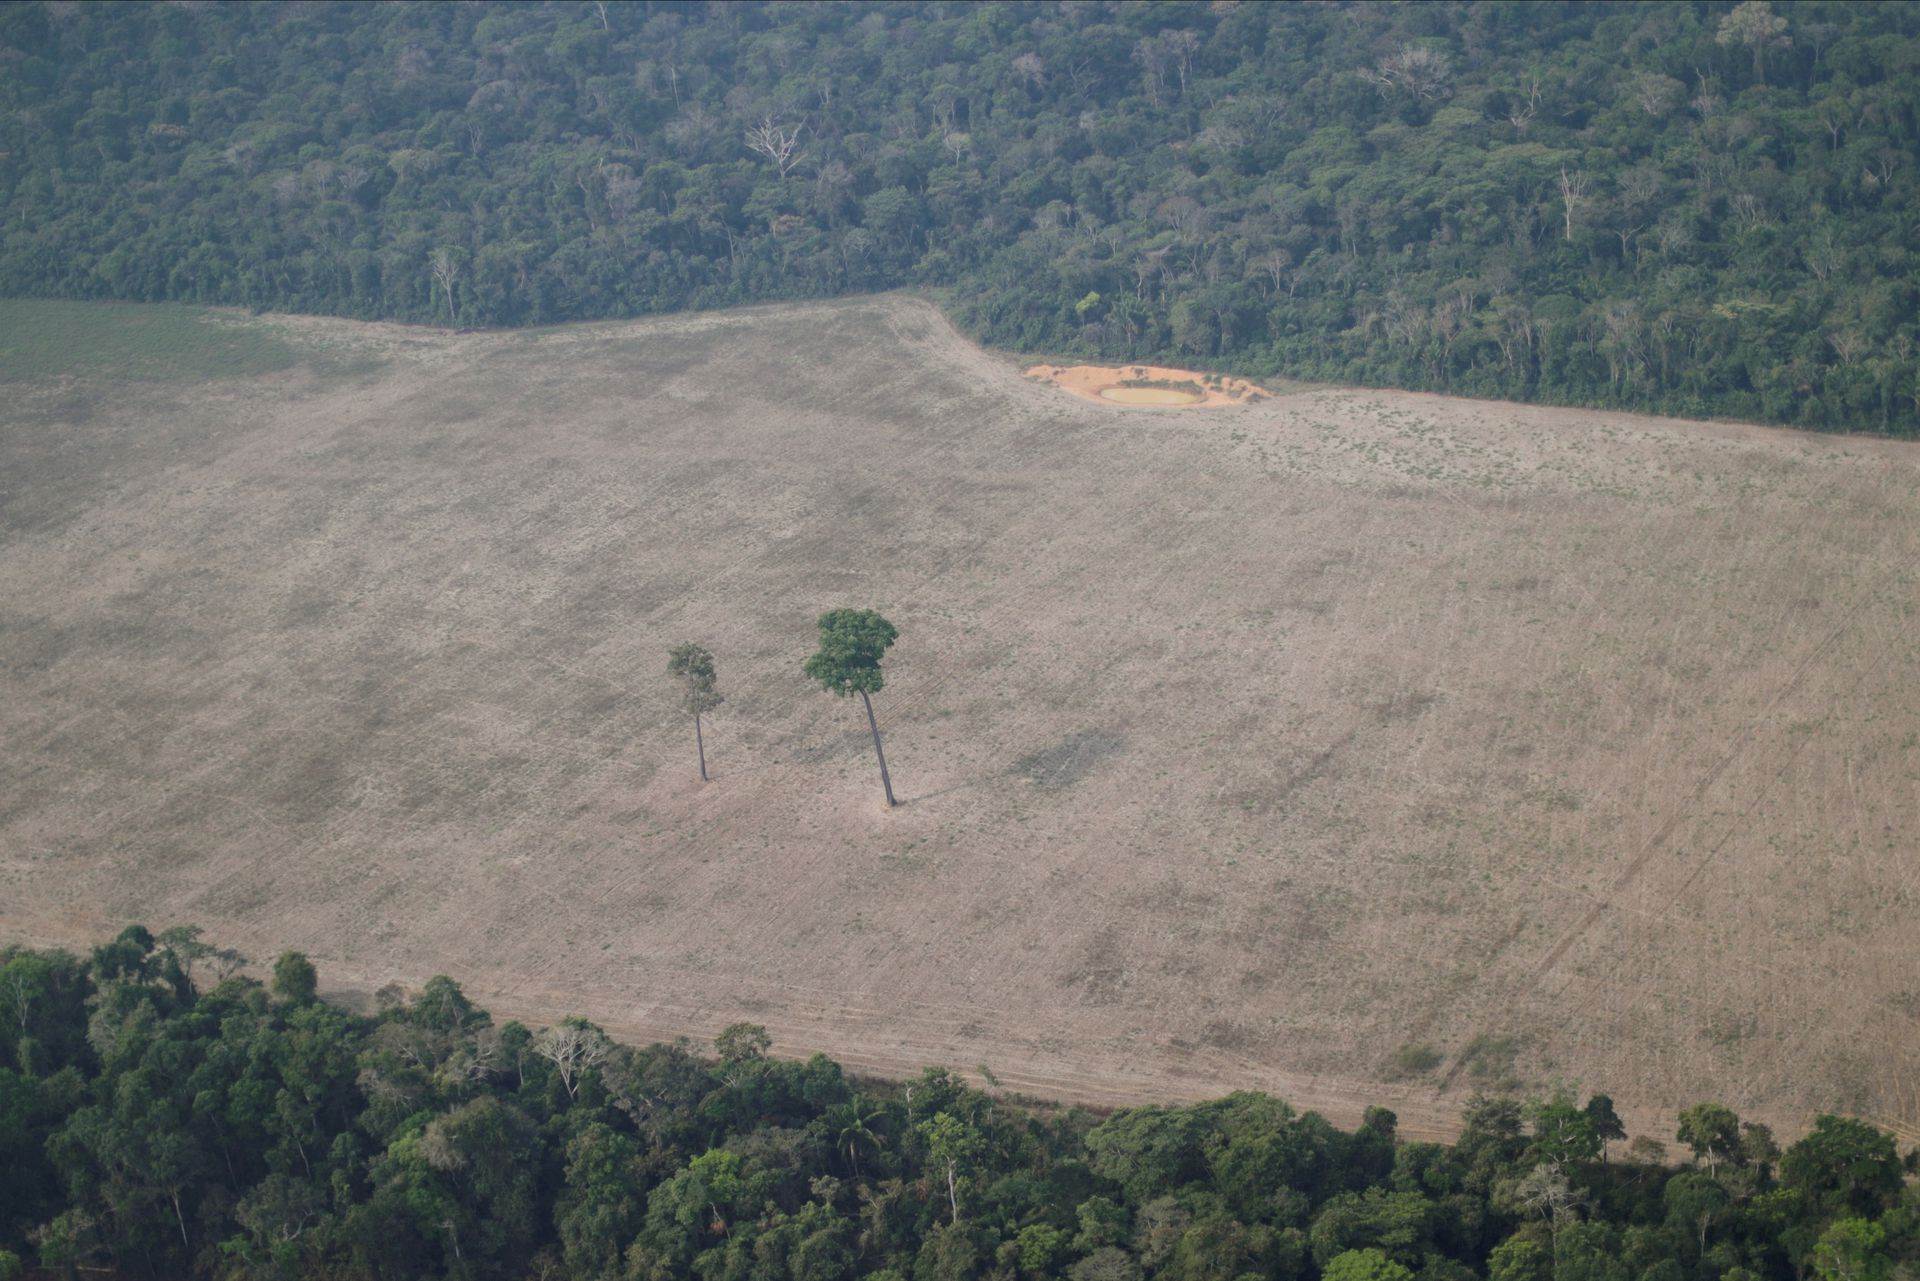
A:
<point x="1106" y="384"/>
<point x="1237" y="749"/>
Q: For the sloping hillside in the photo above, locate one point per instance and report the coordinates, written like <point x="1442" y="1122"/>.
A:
<point x="1252" y="745"/>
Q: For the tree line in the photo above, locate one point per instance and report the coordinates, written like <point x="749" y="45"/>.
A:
<point x="164" y="1116"/>
<point x="1699" y="208"/>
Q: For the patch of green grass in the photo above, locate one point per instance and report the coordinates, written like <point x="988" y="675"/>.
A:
<point x="42" y="338"/>
<point x="1489" y="1061"/>
<point x="1412" y="1060"/>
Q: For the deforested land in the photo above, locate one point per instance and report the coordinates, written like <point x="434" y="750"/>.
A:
<point x="1355" y="746"/>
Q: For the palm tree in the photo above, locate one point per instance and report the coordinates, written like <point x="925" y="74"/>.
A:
<point x="852" y="1126"/>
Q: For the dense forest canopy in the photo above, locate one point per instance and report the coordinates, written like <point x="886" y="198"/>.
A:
<point x="161" y="1117"/>
<point x="1698" y="208"/>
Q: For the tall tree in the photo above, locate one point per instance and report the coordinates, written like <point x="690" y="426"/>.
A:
<point x="951" y="1145"/>
<point x="852" y="643"/>
<point x="692" y="666"/>
<point x="1712" y="1131"/>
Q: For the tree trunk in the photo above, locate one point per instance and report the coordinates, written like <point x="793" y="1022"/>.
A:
<point x="700" y="744"/>
<point x="874" y="725"/>
<point x="953" y="1196"/>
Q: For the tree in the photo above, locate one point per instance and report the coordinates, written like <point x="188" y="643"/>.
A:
<point x="1606" y="1122"/>
<point x="852" y="643"/>
<point x="1755" y="25"/>
<point x="1712" y="1131"/>
<point x="574" y="1047"/>
<point x="446" y="271"/>
<point x="1365" y="1265"/>
<point x="1852" y="1250"/>
<point x="692" y="666"/>
<point x="1573" y="194"/>
<point x="1519" y="1258"/>
<point x="602" y="1208"/>
<point x="852" y="1126"/>
<point x="951" y="1144"/>
<point x="1399" y="1224"/>
<point x="1695" y="1202"/>
<point x="1544" y="1190"/>
<point x="1108" y="1263"/>
<point x="778" y="142"/>
<point x="1418" y="70"/>
<point x="1845" y="1164"/>
<point x="184" y="945"/>
<point x="294" y="980"/>
<point x="742" y="1043"/>
<point x="1563" y="1134"/>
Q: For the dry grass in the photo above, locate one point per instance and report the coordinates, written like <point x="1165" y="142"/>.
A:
<point x="1239" y="748"/>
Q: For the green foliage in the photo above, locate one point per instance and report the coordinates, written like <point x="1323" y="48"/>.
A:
<point x="852" y="643"/>
<point x="1712" y="1131"/>
<point x="206" y="1127"/>
<point x="1520" y="1258"/>
<point x="1397" y="1224"/>
<point x="1606" y="1122"/>
<point x="294" y="978"/>
<point x="1689" y="208"/>
<point x="1845" y="1164"/>
<point x="1563" y="1132"/>
<point x="1412" y="1060"/>
<point x="1364" y="1265"/>
<point x="693" y="667"/>
<point x="1852" y="1250"/>
<point x="742" y="1043"/>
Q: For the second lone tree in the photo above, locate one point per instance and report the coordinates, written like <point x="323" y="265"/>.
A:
<point x="852" y="643"/>
<point x="693" y="667"/>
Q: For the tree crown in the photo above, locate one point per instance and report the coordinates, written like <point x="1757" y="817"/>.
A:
<point x="692" y="665"/>
<point x="852" y="643"/>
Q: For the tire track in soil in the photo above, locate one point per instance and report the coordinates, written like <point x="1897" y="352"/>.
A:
<point x="1537" y="973"/>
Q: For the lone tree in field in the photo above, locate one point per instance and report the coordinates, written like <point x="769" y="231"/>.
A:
<point x="692" y="666"/>
<point x="852" y="643"/>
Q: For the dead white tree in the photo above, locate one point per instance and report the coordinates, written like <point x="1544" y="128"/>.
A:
<point x="1032" y="70"/>
<point x="1573" y="194"/>
<point x="1658" y="94"/>
<point x="779" y="143"/>
<point x="574" y="1047"/>
<point x="1416" y="69"/>
<point x="1521" y="116"/>
<point x="1181" y="47"/>
<point x="1545" y="1191"/>
<point x="1278" y="264"/>
<point x="446" y="270"/>
<point x="1848" y="344"/>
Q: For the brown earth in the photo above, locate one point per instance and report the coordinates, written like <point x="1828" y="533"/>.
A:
<point x="1236" y="749"/>
<point x="1108" y="384"/>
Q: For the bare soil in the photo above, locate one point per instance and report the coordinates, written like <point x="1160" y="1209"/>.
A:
<point x="1238" y="749"/>
<point x="1121" y="384"/>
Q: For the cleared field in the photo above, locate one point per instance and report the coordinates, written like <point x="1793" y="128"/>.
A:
<point x="1241" y="748"/>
